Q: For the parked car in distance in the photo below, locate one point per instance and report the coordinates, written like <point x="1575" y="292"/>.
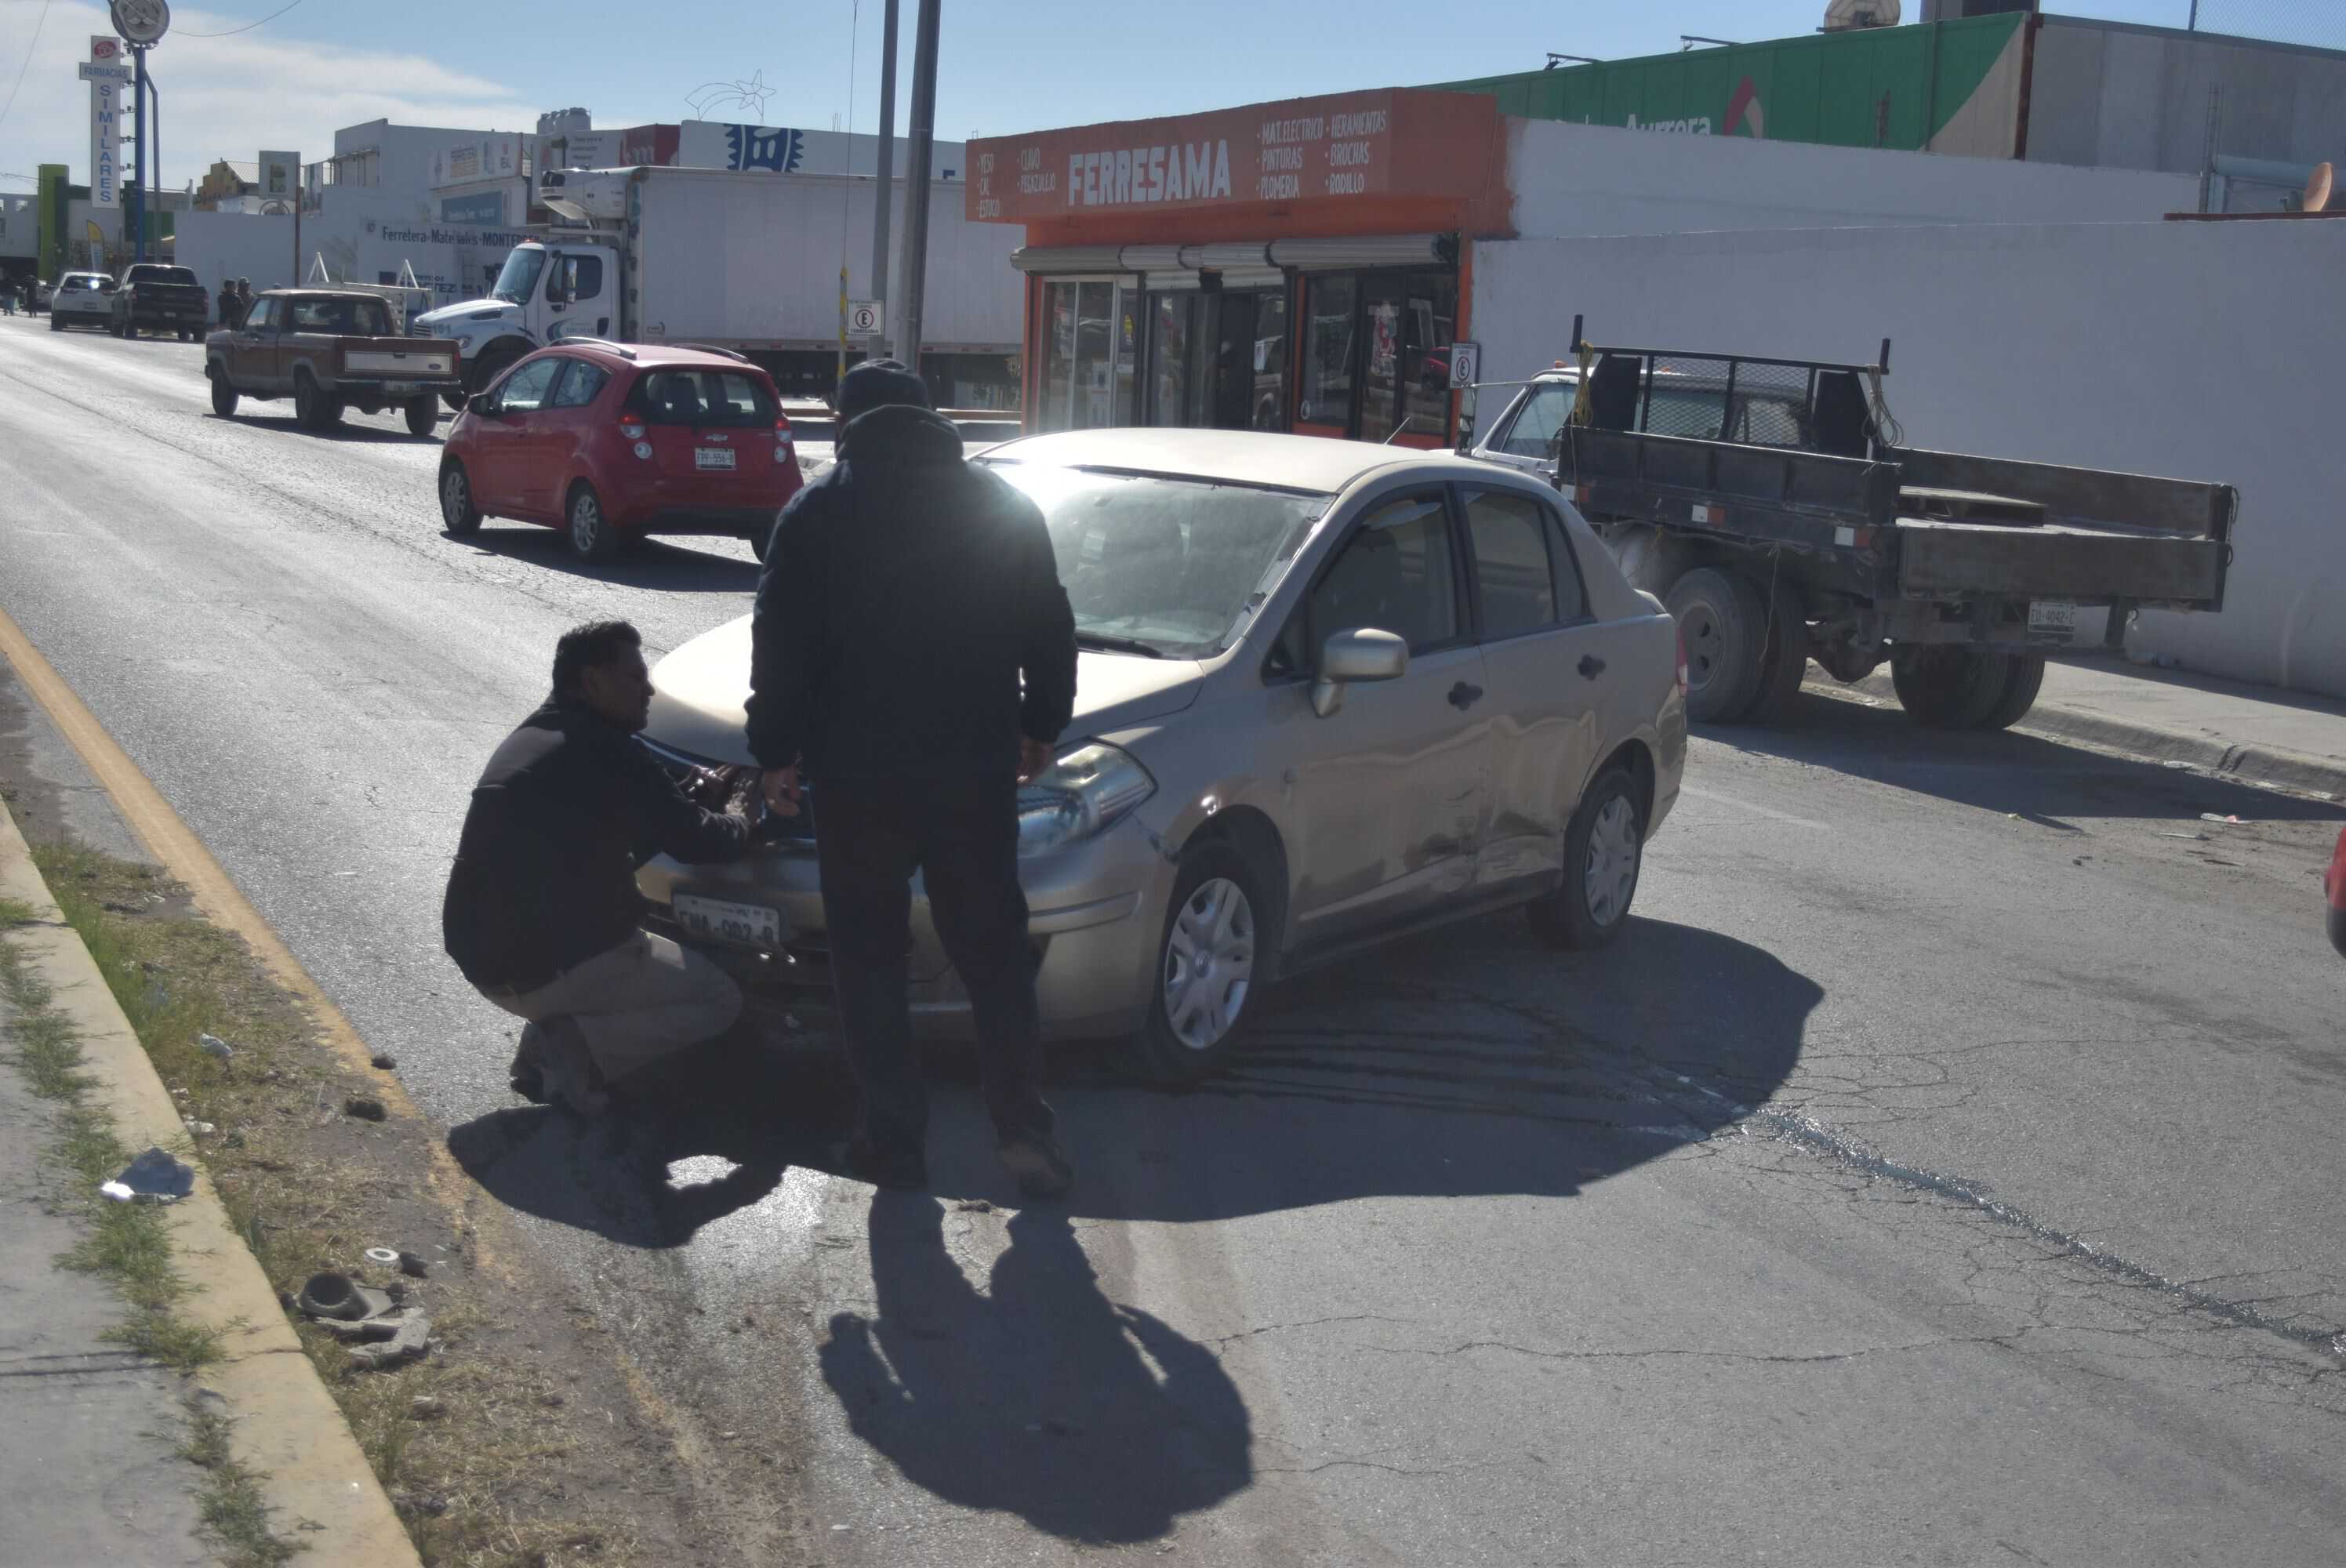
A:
<point x="42" y="293"/>
<point x="614" y="442"/>
<point x="1329" y="694"/>
<point x="82" y="299"/>
<point x="330" y="351"/>
<point x="155" y="297"/>
<point x="2334" y="884"/>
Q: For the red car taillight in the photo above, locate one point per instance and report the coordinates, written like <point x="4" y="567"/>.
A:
<point x="783" y="440"/>
<point x="632" y="429"/>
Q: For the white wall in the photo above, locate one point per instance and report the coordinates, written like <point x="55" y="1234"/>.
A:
<point x="2200" y="350"/>
<point x="1599" y="179"/>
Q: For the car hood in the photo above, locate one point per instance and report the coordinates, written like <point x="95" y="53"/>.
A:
<point x="699" y="692"/>
<point x="453" y="315"/>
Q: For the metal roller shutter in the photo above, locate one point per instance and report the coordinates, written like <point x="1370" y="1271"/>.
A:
<point x="1368" y="250"/>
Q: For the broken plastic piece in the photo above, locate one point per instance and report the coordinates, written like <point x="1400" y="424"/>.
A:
<point x="338" y="1296"/>
<point x="213" y="1046"/>
<point x="412" y="1266"/>
<point x="153" y="1177"/>
<point x="412" y="1339"/>
<point x="383" y="1257"/>
<point x="2212" y="817"/>
<point x="202" y="1129"/>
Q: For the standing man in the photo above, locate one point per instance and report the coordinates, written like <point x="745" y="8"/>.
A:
<point x="914" y="654"/>
<point x="243" y="299"/>
<point x="228" y="318"/>
<point x="542" y="910"/>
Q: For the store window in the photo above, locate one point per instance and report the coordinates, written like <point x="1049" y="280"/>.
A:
<point x="1410" y="319"/>
<point x="1087" y="372"/>
<point x="1169" y="399"/>
<point x="1330" y="304"/>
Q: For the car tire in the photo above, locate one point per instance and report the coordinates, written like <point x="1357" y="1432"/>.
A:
<point x="120" y="330"/>
<point x="455" y="401"/>
<point x="1723" y="622"/>
<point x="592" y="537"/>
<point x="1198" y="999"/>
<point x="1942" y="686"/>
<point x="186" y="336"/>
<point x="1784" y="662"/>
<point x="224" y="396"/>
<point x="1603" y="853"/>
<point x="312" y="408"/>
<point x="2025" y="680"/>
<point x="422" y="417"/>
<point x="457" y="511"/>
<point x="57" y="323"/>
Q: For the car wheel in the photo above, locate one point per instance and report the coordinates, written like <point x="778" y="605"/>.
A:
<point x="313" y="408"/>
<point x="186" y="336"/>
<point x="2027" y="679"/>
<point x="119" y="328"/>
<point x="1945" y="687"/>
<point x="223" y="395"/>
<point x="1604" y="850"/>
<point x="1724" y="622"/>
<point x="455" y="401"/>
<point x="592" y="537"/>
<point x="456" y="508"/>
<point x="422" y="417"/>
<point x="1785" y="660"/>
<point x="1209" y="955"/>
<point x="57" y="324"/>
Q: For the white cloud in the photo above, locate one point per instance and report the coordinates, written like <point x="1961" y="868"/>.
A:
<point x="227" y="97"/>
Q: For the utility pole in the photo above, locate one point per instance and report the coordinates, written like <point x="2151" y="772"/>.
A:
<point x="137" y="208"/>
<point x="885" y="190"/>
<point x="919" y="140"/>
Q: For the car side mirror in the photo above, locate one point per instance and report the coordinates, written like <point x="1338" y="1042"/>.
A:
<point x="1365" y="655"/>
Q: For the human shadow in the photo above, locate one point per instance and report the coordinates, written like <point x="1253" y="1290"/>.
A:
<point x="654" y="562"/>
<point x="1040" y="1397"/>
<point x="2003" y="771"/>
<point x="732" y="1116"/>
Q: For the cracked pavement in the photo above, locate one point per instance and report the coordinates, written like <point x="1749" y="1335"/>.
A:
<point x="1943" y="1169"/>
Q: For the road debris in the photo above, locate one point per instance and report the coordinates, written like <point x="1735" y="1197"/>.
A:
<point x="411" y="1340"/>
<point x="425" y="1408"/>
<point x="337" y="1297"/>
<point x="153" y="1177"/>
<point x="200" y="1129"/>
<point x="2213" y="817"/>
<point x="213" y="1046"/>
<point x="412" y="1266"/>
<point x="364" y="1109"/>
<point x="383" y="1257"/>
<point x="2194" y="838"/>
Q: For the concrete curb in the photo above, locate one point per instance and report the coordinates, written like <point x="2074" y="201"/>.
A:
<point x="286" y="1425"/>
<point x="2270" y="764"/>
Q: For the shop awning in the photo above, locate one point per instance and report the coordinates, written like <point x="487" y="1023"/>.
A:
<point x="1247" y="264"/>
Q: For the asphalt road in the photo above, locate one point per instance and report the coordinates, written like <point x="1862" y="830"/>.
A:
<point x="1943" y="1170"/>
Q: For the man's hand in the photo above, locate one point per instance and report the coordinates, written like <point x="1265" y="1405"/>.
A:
<point x="1034" y="758"/>
<point x="783" y="791"/>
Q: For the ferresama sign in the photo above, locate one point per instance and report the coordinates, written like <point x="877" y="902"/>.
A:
<point x="1391" y="142"/>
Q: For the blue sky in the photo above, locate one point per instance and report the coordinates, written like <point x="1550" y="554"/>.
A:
<point x="1007" y="65"/>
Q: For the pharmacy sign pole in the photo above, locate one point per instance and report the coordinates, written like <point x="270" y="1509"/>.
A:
<point x="142" y="23"/>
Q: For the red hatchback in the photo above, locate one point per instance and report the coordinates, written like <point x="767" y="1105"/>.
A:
<point x="611" y="442"/>
<point x="2334" y="884"/>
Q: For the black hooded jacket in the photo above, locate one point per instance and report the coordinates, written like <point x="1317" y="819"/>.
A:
<point x="910" y="620"/>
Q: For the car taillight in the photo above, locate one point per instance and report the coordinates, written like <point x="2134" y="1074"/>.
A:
<point x="1682" y="665"/>
<point x="781" y="438"/>
<point x="632" y="429"/>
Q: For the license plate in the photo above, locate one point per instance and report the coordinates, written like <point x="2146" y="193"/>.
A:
<point x="712" y="457"/>
<point x="2056" y="617"/>
<point x="744" y="925"/>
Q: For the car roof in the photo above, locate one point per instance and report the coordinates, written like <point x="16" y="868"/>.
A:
<point x="1316" y="463"/>
<point x="316" y="294"/>
<point x="652" y="356"/>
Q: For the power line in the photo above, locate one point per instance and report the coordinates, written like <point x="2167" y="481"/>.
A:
<point x="247" y="27"/>
<point x="27" y="66"/>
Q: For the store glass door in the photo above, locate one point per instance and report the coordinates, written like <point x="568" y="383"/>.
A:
<point x="1088" y="378"/>
<point x="1250" y="377"/>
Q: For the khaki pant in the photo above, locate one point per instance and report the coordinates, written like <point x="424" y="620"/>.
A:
<point x="641" y="1001"/>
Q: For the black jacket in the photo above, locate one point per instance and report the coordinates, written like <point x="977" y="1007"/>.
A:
<point x="907" y="595"/>
<point x="545" y="872"/>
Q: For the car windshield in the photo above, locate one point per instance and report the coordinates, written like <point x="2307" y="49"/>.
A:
<point x="1172" y="566"/>
<point x="344" y="317"/>
<point x="519" y="277"/>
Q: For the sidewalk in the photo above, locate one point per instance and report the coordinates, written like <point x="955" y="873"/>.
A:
<point x="2252" y="732"/>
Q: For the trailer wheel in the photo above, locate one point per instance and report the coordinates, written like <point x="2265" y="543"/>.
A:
<point x="1785" y="662"/>
<point x="2027" y="679"/>
<point x="1724" y="622"/>
<point x="1945" y="687"/>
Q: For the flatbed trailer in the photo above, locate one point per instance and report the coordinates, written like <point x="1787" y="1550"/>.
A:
<point x="1774" y="506"/>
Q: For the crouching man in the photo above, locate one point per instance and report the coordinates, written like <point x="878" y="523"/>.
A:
<point x="542" y="913"/>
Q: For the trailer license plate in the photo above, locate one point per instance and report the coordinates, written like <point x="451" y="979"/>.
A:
<point x="744" y="925"/>
<point x="712" y="457"/>
<point x="2056" y="617"/>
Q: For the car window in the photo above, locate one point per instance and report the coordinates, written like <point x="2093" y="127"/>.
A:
<point x="75" y="286"/>
<point x="262" y="315"/>
<point x="1394" y="575"/>
<point x="524" y="391"/>
<point x="1513" y="574"/>
<point x="705" y="397"/>
<point x="343" y="318"/>
<point x="581" y="386"/>
<point x="1533" y="434"/>
<point x="575" y="278"/>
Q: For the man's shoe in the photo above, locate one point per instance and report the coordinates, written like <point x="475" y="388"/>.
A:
<point x="895" y="1169"/>
<point x="528" y="1073"/>
<point x="1040" y="1164"/>
<point x="567" y="1070"/>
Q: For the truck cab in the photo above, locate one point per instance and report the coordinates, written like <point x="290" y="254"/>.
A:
<point x="548" y="290"/>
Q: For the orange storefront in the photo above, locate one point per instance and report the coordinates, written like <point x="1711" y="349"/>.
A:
<point x="1289" y="266"/>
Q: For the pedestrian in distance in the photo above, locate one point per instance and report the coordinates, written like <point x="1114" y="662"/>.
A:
<point x="913" y="663"/>
<point x="228" y="318"/>
<point x="243" y="299"/>
<point x="7" y="299"/>
<point x="542" y="913"/>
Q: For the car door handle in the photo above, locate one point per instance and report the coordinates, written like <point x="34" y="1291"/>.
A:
<point x="1591" y="666"/>
<point x="1463" y="696"/>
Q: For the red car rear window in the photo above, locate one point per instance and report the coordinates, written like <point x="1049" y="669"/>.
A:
<point x="740" y="399"/>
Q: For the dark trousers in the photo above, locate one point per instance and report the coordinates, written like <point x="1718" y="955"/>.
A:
<point x="961" y="833"/>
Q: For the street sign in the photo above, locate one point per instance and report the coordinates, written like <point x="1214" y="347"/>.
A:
<point x="1466" y="365"/>
<point x="142" y="22"/>
<point x="106" y="71"/>
<point x="865" y="317"/>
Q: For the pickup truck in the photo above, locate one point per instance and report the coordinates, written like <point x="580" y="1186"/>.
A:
<point x="329" y="351"/>
<point x="152" y="296"/>
<point x="1774" y="508"/>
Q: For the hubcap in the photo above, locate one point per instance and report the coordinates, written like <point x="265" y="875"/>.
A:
<point x="1703" y="644"/>
<point x="1209" y="964"/>
<point x="1613" y="851"/>
<point x="451" y="497"/>
<point x="585" y="522"/>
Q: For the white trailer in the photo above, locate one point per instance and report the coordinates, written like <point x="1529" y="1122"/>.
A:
<point x="746" y="262"/>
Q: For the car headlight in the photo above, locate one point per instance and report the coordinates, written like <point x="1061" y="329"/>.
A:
<point x="1082" y="794"/>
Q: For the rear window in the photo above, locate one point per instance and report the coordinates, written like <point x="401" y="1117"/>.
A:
<point x="705" y="397"/>
<point x="347" y="317"/>
<point x="162" y="274"/>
